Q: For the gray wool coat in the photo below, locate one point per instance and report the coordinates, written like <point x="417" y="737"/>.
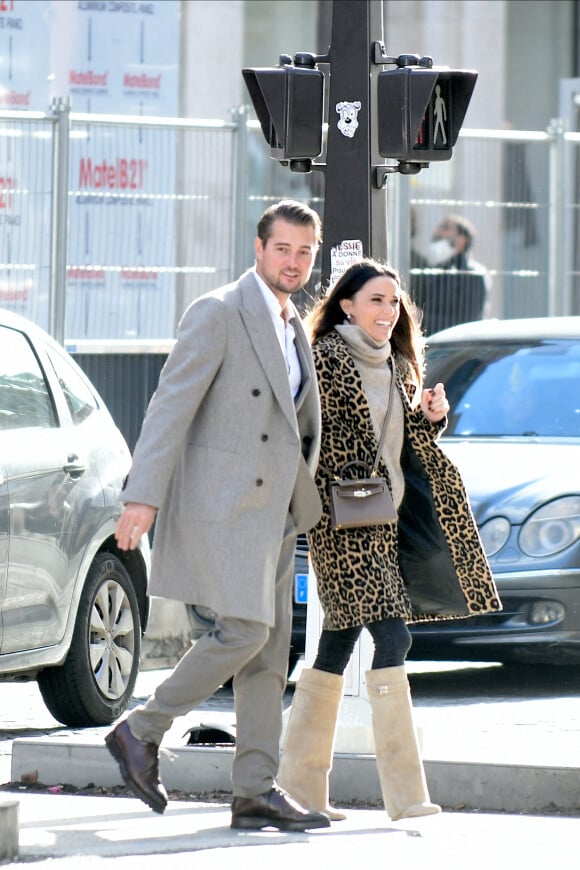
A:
<point x="226" y="455"/>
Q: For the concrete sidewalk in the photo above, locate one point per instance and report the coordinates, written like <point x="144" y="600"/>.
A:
<point x="81" y="832"/>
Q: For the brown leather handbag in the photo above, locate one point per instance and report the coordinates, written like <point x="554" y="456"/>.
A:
<point x="365" y="501"/>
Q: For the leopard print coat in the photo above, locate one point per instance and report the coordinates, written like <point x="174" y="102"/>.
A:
<point x="433" y="551"/>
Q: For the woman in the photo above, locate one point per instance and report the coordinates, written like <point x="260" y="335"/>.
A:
<point x="428" y="564"/>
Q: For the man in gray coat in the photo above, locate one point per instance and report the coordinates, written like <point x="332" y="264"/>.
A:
<point x="225" y="462"/>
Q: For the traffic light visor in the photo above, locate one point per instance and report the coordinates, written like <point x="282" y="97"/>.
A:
<point x="289" y="103"/>
<point x="267" y="89"/>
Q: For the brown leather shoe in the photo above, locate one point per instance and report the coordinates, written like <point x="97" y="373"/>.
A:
<point x="139" y="765"/>
<point x="274" y="809"/>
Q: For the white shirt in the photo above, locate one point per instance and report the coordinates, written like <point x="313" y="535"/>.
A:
<point x="286" y="335"/>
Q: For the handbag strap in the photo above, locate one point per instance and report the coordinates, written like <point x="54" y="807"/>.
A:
<point x="375" y="467"/>
<point x="385" y="421"/>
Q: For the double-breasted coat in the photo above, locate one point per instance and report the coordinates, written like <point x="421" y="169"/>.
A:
<point x="428" y="565"/>
<point x="227" y="455"/>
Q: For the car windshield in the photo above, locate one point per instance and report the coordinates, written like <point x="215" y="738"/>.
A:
<point x="510" y="388"/>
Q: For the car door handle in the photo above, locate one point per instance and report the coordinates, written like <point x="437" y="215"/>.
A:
<point x="74" y="466"/>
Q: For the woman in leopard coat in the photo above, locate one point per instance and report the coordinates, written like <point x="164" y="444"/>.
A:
<point x="428" y="565"/>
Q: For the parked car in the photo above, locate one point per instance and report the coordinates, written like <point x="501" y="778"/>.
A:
<point x="72" y="606"/>
<point x="514" y="433"/>
<point x="203" y="620"/>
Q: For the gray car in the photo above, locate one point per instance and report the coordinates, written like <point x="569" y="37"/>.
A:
<point x="72" y="606"/>
<point x="514" y="433"/>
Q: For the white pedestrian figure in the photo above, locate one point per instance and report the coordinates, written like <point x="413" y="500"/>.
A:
<point x="440" y="112"/>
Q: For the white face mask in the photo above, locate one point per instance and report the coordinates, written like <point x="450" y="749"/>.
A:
<point x="440" y="251"/>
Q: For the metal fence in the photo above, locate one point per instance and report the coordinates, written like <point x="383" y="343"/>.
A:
<point x="520" y="191"/>
<point x="110" y="226"/>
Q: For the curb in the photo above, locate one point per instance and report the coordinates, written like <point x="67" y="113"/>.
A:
<point x="353" y="780"/>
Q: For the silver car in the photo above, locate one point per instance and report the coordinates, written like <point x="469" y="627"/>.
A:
<point x="72" y="606"/>
<point x="514" y="432"/>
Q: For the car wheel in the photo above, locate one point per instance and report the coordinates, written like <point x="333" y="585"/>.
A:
<point x="95" y="683"/>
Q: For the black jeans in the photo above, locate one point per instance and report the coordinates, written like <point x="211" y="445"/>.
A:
<point x="392" y="640"/>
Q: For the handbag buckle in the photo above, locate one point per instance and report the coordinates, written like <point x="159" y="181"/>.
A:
<point x="361" y="493"/>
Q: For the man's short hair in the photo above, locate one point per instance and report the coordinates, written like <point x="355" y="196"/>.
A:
<point x="292" y="211"/>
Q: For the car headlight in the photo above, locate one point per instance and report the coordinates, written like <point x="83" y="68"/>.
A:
<point x="552" y="527"/>
<point x="494" y="533"/>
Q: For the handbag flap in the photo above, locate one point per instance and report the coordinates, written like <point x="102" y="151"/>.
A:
<point x="359" y="488"/>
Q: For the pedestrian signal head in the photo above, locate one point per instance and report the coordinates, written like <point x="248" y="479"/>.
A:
<point x="289" y="101"/>
<point x="420" y="113"/>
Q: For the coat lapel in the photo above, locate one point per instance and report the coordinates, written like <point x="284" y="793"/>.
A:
<point x="263" y="337"/>
<point x="305" y="357"/>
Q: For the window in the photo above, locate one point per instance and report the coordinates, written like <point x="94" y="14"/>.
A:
<point x="511" y="388"/>
<point x="25" y="400"/>
<point x="79" y="397"/>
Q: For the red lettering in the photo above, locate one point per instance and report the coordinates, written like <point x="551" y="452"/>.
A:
<point x="124" y="174"/>
<point x="7" y="186"/>
<point x="123" y="183"/>
<point x="88" y="78"/>
<point x="85" y="173"/>
<point x="138" y="275"/>
<point x="142" y="81"/>
<point x="14" y="295"/>
<point x="76" y="272"/>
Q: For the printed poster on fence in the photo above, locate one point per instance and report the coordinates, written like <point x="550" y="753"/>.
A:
<point x="122" y="59"/>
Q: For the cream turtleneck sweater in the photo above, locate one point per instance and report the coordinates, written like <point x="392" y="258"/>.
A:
<point x="371" y="362"/>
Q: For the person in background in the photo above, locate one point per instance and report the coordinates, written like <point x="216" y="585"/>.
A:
<point x="429" y="564"/>
<point x="225" y="463"/>
<point x="453" y="287"/>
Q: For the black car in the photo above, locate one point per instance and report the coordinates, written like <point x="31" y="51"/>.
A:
<point x="514" y="433"/>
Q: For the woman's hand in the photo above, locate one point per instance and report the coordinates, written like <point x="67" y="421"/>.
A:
<point x="434" y="403"/>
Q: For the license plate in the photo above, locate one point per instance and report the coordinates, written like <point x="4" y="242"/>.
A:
<point x="301" y="588"/>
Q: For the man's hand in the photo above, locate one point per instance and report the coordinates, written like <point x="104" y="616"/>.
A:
<point x="136" y="520"/>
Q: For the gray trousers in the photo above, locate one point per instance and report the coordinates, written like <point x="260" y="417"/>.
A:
<point x="257" y="658"/>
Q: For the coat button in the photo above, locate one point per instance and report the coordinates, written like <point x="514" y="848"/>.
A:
<point x="264" y="437"/>
<point x="259" y="482"/>
<point x="255" y="392"/>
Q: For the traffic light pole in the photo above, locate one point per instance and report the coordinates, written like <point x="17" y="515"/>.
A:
<point x="355" y="208"/>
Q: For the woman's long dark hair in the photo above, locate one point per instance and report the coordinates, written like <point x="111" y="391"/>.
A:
<point x="406" y="339"/>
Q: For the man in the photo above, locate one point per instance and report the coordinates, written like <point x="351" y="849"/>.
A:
<point x="455" y="288"/>
<point x="225" y="461"/>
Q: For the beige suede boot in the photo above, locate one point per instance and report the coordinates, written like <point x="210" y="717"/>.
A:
<point x="307" y="756"/>
<point x="399" y="763"/>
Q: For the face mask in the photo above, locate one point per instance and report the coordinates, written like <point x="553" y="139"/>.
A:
<point x="440" y="251"/>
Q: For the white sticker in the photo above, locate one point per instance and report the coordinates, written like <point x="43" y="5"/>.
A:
<point x="348" y="117"/>
<point x="343" y="256"/>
